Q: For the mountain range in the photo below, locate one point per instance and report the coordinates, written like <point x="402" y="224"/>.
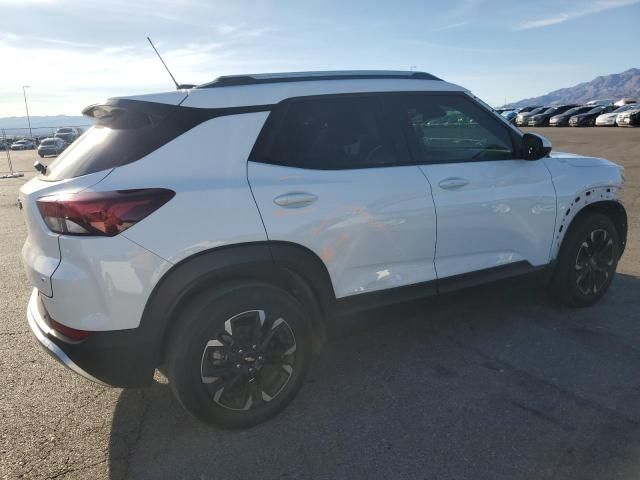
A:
<point x="615" y="86"/>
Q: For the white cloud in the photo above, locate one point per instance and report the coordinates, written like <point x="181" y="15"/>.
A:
<point x="589" y="9"/>
<point x="451" y="26"/>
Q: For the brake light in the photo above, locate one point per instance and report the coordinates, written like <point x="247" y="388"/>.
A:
<point x="72" y="333"/>
<point x="100" y="213"/>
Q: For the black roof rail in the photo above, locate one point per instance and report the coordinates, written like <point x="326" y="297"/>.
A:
<point x="238" y="80"/>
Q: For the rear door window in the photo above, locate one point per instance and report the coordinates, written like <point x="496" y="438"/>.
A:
<point x="327" y="133"/>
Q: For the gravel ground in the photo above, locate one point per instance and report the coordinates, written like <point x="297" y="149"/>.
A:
<point x="489" y="383"/>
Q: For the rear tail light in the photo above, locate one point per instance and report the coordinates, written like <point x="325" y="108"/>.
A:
<point x="100" y="213"/>
<point x="71" y="333"/>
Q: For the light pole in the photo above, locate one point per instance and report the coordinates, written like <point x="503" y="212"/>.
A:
<point x="24" y="93"/>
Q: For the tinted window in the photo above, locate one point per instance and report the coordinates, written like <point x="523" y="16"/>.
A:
<point x="330" y="133"/>
<point x="453" y="128"/>
<point x="122" y="136"/>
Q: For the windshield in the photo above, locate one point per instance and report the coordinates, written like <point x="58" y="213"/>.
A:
<point x="573" y="110"/>
<point x="64" y="130"/>
<point x="537" y="110"/>
<point x="49" y="141"/>
<point x="596" y="110"/>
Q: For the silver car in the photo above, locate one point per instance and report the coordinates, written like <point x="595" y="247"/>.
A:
<point x="24" y="144"/>
<point x="629" y="118"/>
<point x="51" y="146"/>
<point x="609" y="119"/>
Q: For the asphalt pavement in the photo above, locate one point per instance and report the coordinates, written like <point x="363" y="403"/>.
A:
<point x="494" y="382"/>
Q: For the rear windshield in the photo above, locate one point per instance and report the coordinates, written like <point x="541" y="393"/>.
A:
<point x="48" y="142"/>
<point x="121" y="136"/>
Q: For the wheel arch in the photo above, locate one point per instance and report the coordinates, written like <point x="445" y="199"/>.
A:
<point x="610" y="208"/>
<point x="290" y="266"/>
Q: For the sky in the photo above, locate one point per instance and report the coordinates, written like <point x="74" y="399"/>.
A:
<point x="75" y="53"/>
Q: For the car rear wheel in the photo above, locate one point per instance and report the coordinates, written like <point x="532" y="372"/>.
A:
<point x="587" y="261"/>
<point x="240" y="355"/>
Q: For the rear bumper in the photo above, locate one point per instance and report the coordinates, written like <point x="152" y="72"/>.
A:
<point x="44" y="333"/>
<point x="48" y="151"/>
<point x="119" y="358"/>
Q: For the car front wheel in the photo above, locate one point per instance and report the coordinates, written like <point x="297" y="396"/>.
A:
<point x="587" y="261"/>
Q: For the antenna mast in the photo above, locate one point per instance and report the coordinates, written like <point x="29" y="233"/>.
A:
<point x="165" y="65"/>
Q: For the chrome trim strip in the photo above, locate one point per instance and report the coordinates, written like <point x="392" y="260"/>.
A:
<point x="38" y="327"/>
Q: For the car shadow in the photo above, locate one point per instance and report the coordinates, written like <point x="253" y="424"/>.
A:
<point x="491" y="382"/>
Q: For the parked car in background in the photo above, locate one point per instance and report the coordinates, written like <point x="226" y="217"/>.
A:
<point x="523" y="117"/>
<point x="588" y="119"/>
<point x="510" y="115"/>
<point x="624" y="101"/>
<point x="542" y="119"/>
<point x="596" y="103"/>
<point x="51" y="146"/>
<point x="67" y="134"/>
<point x="526" y="109"/>
<point x="24" y="144"/>
<point x="4" y="145"/>
<point x="562" y="119"/>
<point x="609" y="119"/>
<point x="630" y="118"/>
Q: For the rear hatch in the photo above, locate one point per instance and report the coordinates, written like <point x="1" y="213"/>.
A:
<point x="125" y="131"/>
<point x="41" y="251"/>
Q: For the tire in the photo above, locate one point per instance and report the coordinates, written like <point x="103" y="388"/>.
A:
<point x="232" y="380"/>
<point x="587" y="261"/>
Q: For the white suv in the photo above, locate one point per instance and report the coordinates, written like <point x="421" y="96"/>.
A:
<point x="212" y="232"/>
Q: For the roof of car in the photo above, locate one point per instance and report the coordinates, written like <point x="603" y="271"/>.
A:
<point x="272" y="88"/>
<point x="283" y="77"/>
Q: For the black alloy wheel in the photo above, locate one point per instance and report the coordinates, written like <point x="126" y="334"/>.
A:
<point x="595" y="262"/>
<point x="250" y="362"/>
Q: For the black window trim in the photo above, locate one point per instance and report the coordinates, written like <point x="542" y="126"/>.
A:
<point x="404" y="143"/>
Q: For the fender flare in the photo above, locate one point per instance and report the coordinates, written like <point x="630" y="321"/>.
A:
<point x="597" y="199"/>
<point x="287" y="265"/>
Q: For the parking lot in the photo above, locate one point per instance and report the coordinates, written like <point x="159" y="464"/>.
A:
<point x="492" y="383"/>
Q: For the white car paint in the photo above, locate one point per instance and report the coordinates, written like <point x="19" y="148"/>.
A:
<point x="609" y="119"/>
<point x="41" y="251"/>
<point x="207" y="168"/>
<point x="580" y="181"/>
<point x="373" y="228"/>
<point x="504" y="212"/>
<point x="622" y="120"/>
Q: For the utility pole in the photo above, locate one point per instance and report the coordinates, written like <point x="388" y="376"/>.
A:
<point x="24" y="93"/>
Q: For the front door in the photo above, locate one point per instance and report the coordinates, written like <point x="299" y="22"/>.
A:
<point x="492" y="208"/>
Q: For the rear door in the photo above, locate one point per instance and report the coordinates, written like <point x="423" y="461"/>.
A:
<point x="493" y="209"/>
<point x="327" y="174"/>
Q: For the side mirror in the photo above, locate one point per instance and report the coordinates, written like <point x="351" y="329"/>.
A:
<point x="535" y="146"/>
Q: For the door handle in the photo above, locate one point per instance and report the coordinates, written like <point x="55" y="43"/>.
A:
<point x="453" y="182"/>
<point x="295" y="199"/>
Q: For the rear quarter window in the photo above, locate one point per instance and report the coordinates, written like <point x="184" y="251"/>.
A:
<point x="121" y="136"/>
